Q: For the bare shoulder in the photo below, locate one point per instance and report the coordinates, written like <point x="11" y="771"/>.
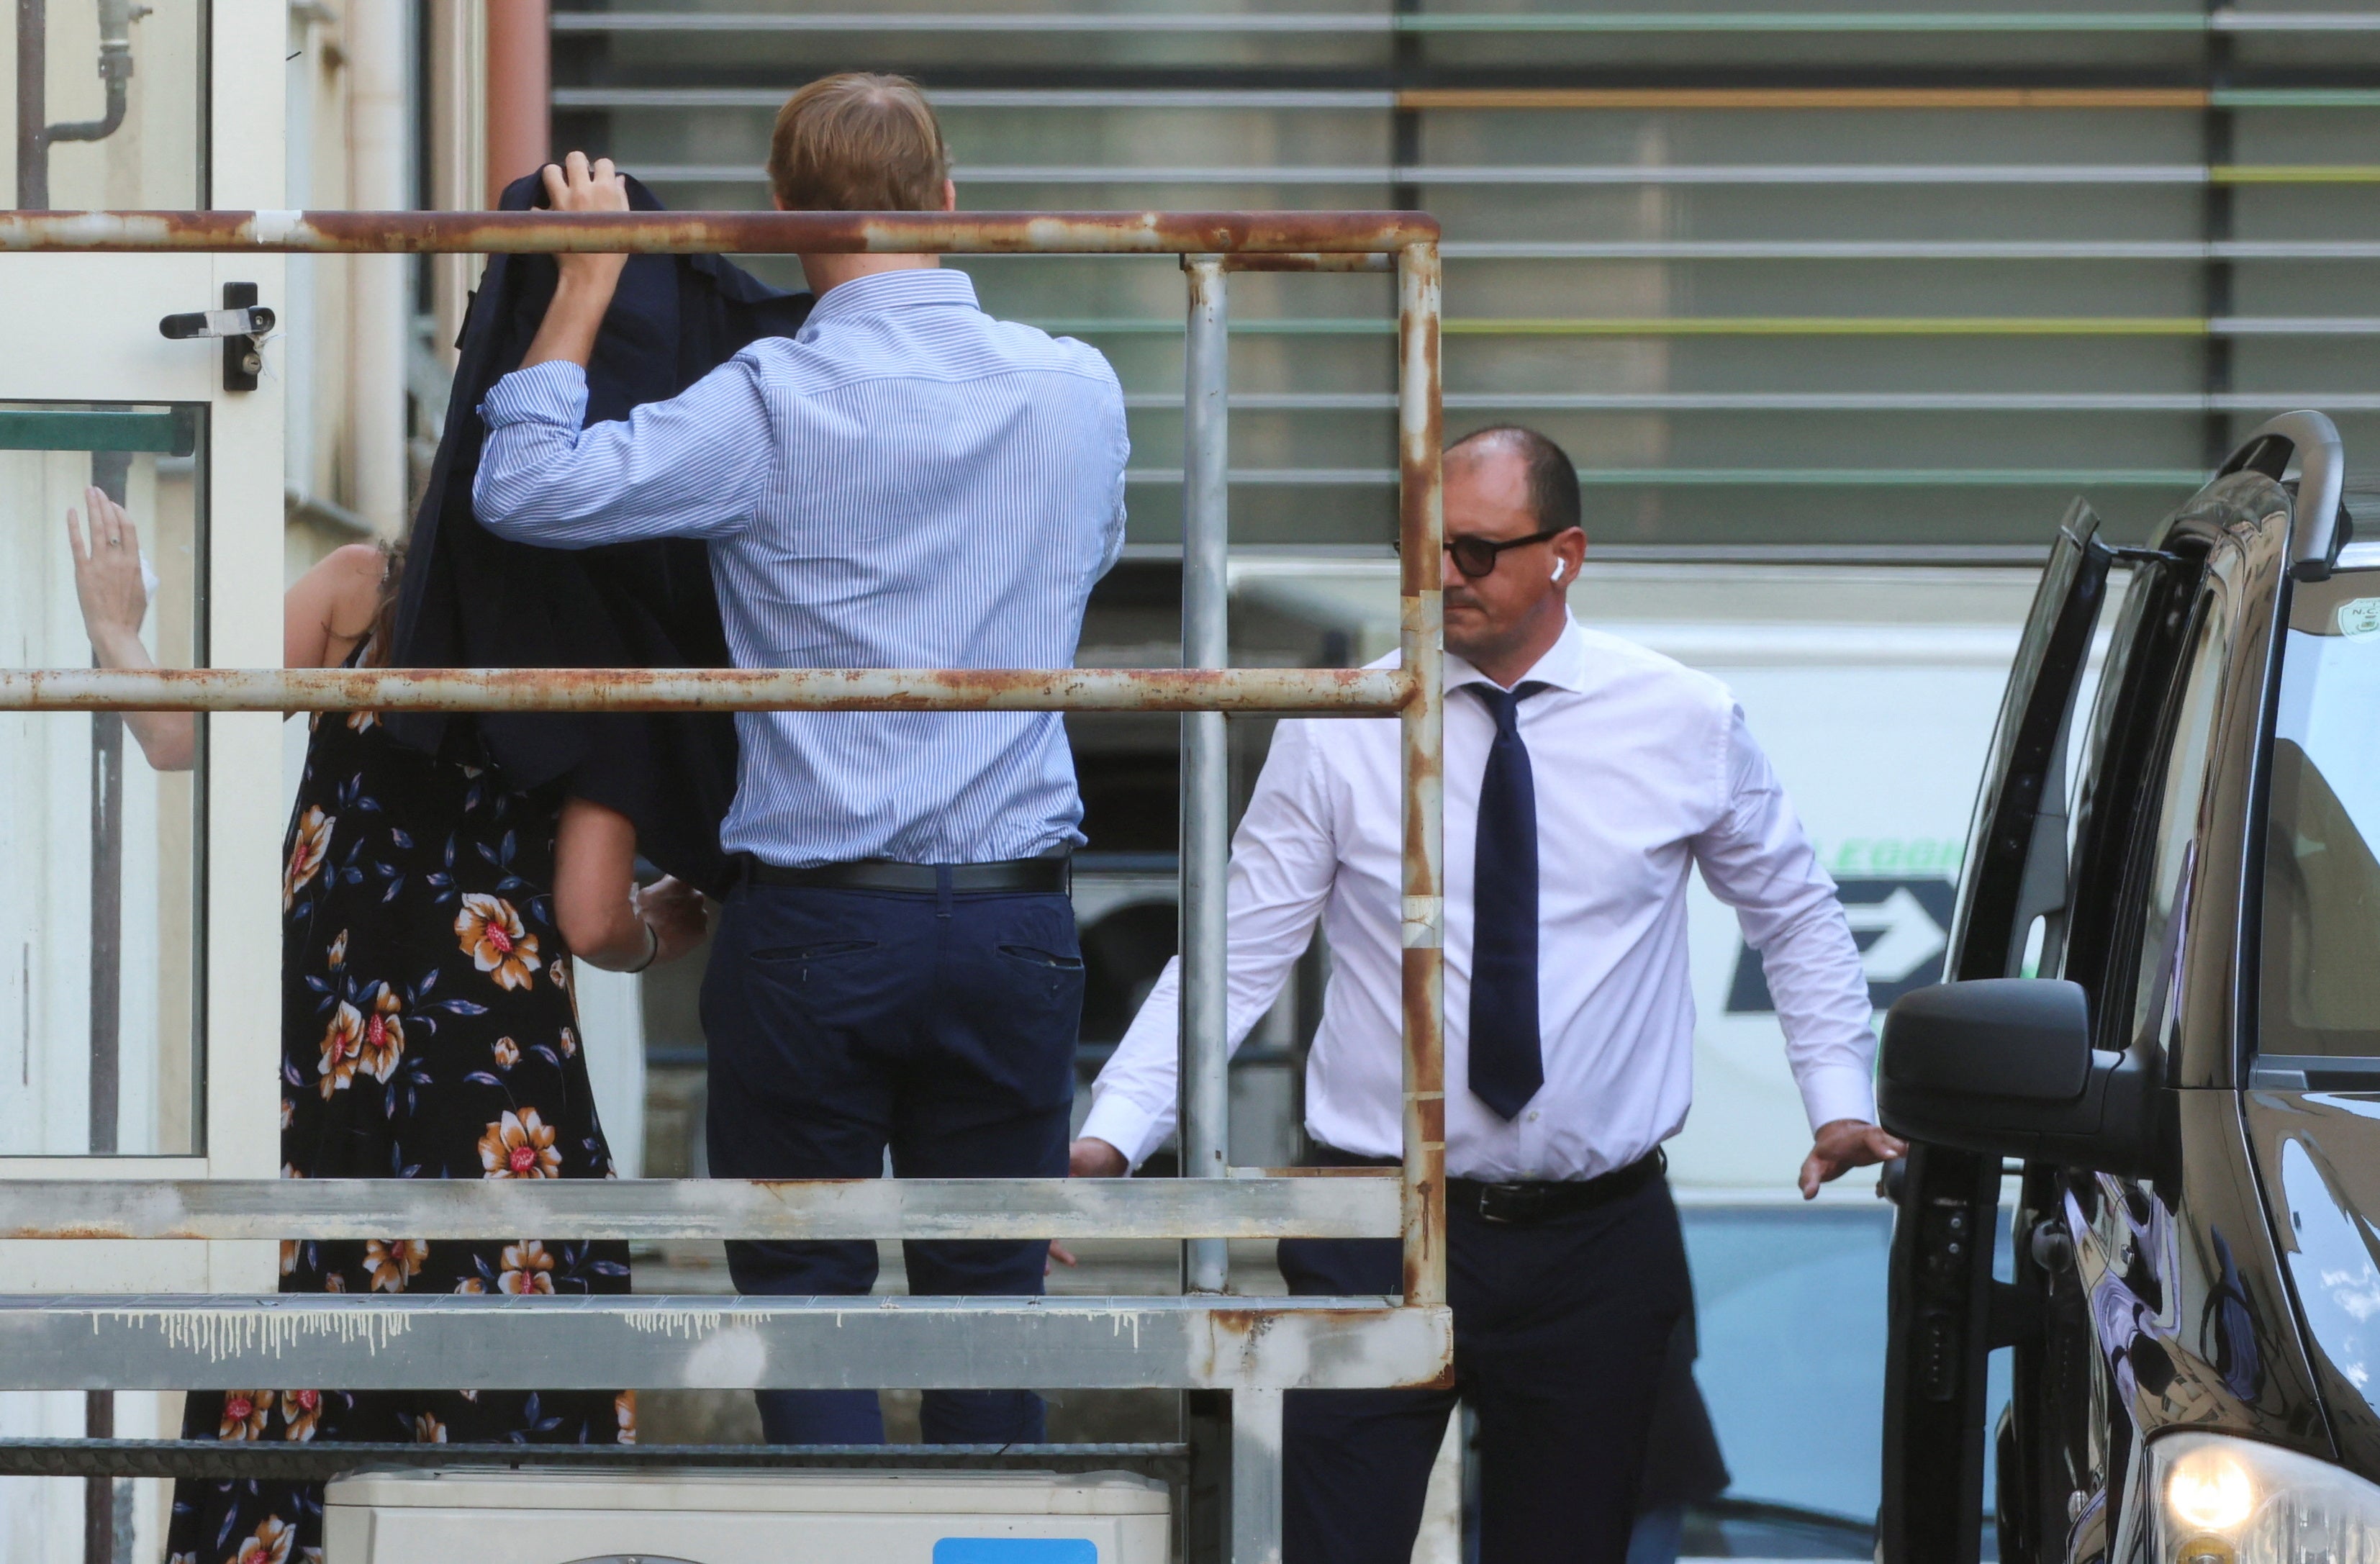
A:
<point x="347" y="582"/>
<point x="332" y="606"/>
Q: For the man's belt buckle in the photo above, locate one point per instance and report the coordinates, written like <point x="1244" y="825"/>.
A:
<point x="1512" y="1204"/>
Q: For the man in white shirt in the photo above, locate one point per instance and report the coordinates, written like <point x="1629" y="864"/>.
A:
<point x="1584" y="775"/>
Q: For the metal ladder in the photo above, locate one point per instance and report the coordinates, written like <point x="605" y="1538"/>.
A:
<point x="1253" y="1349"/>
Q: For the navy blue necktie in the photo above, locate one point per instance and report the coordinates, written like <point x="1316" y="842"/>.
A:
<point x="1506" y="1066"/>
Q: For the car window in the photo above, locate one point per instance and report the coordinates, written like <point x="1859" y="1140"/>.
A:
<point x="2320" y="979"/>
<point x="2165" y="893"/>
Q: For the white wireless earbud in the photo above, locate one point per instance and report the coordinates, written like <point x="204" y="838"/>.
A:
<point x="1558" y="570"/>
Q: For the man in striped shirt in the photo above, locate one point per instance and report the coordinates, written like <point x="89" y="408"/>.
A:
<point x="905" y="483"/>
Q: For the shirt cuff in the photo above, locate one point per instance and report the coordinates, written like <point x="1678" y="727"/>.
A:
<point x="1838" y="1091"/>
<point x="1124" y="1124"/>
<point x="553" y="392"/>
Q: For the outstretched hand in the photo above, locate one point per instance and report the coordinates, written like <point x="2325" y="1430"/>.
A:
<point x="1844" y="1144"/>
<point x="107" y="578"/>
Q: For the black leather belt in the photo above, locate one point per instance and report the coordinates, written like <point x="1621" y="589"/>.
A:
<point x="1013" y="876"/>
<point x="1519" y="1204"/>
<point x="1544" y="1200"/>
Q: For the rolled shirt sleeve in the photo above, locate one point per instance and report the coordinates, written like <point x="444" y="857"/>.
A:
<point x="695" y="466"/>
<point x="1757" y="858"/>
<point x="1283" y="862"/>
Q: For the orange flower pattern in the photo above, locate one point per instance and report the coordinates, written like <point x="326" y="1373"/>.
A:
<point x="301" y="1410"/>
<point x="343" y="1049"/>
<point x="394" y="1261"/>
<point x="527" y="1268"/>
<point x="489" y="928"/>
<point x="519" y="1146"/>
<point x="310" y="845"/>
<point x="384" y="1038"/>
<point x="399" y="1061"/>
<point x="244" y="1413"/>
<point x="270" y="1544"/>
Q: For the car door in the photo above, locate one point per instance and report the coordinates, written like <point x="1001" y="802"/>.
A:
<point x="1941" y="1289"/>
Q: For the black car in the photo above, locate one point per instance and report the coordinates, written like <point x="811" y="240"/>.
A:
<point x="2165" y="1034"/>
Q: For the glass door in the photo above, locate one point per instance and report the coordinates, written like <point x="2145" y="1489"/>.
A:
<point x="139" y="872"/>
<point x="100" y="846"/>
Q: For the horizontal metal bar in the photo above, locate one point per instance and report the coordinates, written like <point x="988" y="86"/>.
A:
<point x="448" y="1340"/>
<point x="320" y="1461"/>
<point x="1709" y="477"/>
<point x="688" y="233"/>
<point x="165" y="430"/>
<point x="1037" y="99"/>
<point x="2192" y="403"/>
<point x="1327" y="23"/>
<point x="1631" y="175"/>
<point x="2189" y="251"/>
<point x="1353" y="692"/>
<point x="1639" y="100"/>
<point x="1920" y="100"/>
<point x="654" y="1210"/>
<point x="1768" y="325"/>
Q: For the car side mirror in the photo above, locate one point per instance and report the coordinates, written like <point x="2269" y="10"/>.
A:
<point x="2004" y="1066"/>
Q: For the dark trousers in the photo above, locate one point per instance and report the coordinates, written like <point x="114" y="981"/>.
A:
<point x="1559" y="1332"/>
<point x="845" y="1023"/>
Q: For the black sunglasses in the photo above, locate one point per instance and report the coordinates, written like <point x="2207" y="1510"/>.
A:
<point x="1475" y="557"/>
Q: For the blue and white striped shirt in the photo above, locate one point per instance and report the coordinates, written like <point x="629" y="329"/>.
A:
<point x="906" y="483"/>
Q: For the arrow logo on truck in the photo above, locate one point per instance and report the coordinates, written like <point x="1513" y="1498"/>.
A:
<point x="1905" y="938"/>
<point x="1903" y="927"/>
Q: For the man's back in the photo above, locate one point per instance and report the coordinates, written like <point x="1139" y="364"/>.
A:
<point x="907" y="483"/>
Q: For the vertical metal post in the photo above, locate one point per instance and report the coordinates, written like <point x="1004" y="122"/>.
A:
<point x="1256" y="1476"/>
<point x="110" y="473"/>
<point x="1205" y="776"/>
<point x="32" y="105"/>
<point x="1420" y="436"/>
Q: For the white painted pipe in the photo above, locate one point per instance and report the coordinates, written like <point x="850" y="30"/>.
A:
<point x="377" y="48"/>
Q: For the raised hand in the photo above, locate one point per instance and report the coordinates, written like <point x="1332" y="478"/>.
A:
<point x="585" y="290"/>
<point x="107" y="579"/>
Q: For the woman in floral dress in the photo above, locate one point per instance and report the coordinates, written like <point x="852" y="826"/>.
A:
<point x="428" y="1031"/>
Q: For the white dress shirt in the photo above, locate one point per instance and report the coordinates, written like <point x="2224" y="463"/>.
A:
<point x="1641" y="767"/>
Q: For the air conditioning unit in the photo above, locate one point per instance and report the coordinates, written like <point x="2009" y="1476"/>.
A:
<point x="529" y="1516"/>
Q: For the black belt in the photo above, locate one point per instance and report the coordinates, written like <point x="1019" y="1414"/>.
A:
<point x="1523" y="1204"/>
<point x="1014" y="875"/>
<point x="1543" y="1200"/>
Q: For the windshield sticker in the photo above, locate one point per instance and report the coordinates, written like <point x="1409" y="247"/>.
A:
<point x="2359" y="619"/>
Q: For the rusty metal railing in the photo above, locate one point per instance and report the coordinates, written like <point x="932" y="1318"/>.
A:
<point x="1256" y="1348"/>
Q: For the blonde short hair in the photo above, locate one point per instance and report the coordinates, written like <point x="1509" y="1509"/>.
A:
<point x="858" y="143"/>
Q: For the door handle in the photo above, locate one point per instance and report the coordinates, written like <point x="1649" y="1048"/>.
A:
<point x="242" y="323"/>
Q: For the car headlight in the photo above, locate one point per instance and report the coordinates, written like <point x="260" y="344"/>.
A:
<point x="2211" y="1499"/>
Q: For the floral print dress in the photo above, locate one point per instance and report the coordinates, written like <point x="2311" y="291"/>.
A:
<point x="428" y="1032"/>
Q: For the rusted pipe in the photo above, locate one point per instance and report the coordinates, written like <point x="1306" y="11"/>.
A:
<point x="1422" y="523"/>
<point x="520" y="88"/>
<point x="742" y="233"/>
<point x="1347" y="692"/>
<point x="1309" y="261"/>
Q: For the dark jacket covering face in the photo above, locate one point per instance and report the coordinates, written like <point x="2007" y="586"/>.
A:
<point x="472" y="600"/>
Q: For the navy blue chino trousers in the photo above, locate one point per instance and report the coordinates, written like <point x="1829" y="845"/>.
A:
<point x="1561" y="1332"/>
<point x="842" y="1024"/>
